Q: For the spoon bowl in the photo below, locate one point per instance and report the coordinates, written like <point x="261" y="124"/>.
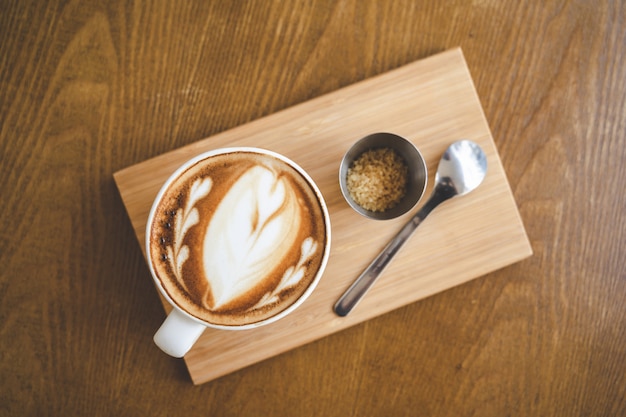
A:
<point x="464" y="164"/>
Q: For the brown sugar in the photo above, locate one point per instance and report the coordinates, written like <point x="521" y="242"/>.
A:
<point x="377" y="179"/>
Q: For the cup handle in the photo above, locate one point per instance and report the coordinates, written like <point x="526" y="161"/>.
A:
<point x="177" y="334"/>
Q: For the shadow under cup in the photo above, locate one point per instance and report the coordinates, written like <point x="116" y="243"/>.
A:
<point x="236" y="238"/>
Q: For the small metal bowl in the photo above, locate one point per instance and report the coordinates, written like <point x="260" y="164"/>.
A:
<point x="417" y="173"/>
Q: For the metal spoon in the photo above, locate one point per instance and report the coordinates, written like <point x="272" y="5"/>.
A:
<point x="462" y="168"/>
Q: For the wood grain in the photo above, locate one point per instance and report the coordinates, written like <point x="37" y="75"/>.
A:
<point x="89" y="88"/>
<point x="432" y="103"/>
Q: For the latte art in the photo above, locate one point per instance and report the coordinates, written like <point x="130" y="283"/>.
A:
<point x="251" y="228"/>
<point x="238" y="238"/>
<point x="185" y="218"/>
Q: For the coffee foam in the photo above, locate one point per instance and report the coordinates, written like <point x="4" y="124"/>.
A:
<point x="238" y="238"/>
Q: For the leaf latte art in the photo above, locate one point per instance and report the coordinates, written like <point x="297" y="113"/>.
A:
<point x="239" y="240"/>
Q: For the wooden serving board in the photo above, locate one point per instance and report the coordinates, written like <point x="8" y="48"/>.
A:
<point x="431" y="102"/>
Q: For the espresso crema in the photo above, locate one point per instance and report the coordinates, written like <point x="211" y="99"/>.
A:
<point x="237" y="238"/>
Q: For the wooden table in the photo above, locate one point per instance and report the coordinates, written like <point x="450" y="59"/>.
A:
<point x="89" y="89"/>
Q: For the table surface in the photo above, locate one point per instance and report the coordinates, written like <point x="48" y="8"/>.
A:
<point x="90" y="88"/>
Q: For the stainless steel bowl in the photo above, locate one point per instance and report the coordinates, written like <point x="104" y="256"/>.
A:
<point x="417" y="173"/>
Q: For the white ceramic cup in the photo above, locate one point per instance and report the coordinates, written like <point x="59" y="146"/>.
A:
<point x="180" y="330"/>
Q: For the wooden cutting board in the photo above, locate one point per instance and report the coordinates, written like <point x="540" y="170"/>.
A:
<point x="431" y="102"/>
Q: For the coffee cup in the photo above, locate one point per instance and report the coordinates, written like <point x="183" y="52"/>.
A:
<point x="236" y="238"/>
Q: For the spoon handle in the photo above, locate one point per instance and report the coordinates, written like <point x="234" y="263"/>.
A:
<point x="357" y="290"/>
